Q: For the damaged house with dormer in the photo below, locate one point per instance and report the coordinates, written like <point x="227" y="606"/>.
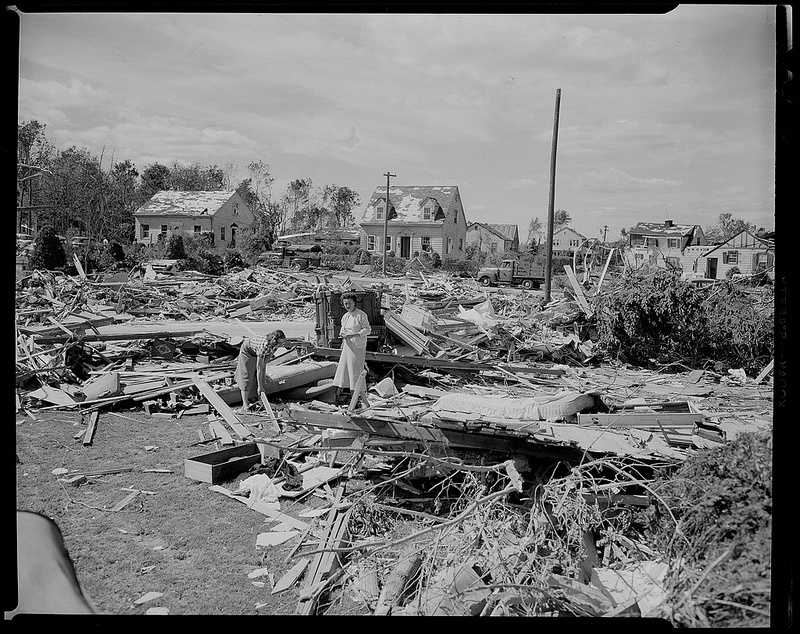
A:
<point x="665" y="245"/>
<point x="421" y="219"/>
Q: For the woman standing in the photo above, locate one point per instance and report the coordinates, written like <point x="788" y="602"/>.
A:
<point x="251" y="364"/>
<point x="354" y="331"/>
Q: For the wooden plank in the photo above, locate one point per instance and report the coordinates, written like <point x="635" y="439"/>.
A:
<point x="605" y="269"/>
<point x="90" y="429"/>
<point x="222" y="407"/>
<point x="290" y="577"/>
<point x="641" y="419"/>
<point x="273" y="422"/>
<point x="124" y="502"/>
<point x="122" y="336"/>
<point x="763" y="374"/>
<point x="179" y="386"/>
<point x="78" y="266"/>
<point x="576" y="287"/>
<point x="218" y="429"/>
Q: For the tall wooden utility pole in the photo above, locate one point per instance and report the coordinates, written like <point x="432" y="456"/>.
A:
<point x="550" y="206"/>
<point x="388" y="175"/>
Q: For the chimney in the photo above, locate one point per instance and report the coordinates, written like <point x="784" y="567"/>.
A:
<point x="669" y="223"/>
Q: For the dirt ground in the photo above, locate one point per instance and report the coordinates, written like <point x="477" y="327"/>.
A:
<point x="192" y="544"/>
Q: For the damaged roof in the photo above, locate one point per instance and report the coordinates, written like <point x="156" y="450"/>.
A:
<point x="489" y="228"/>
<point x="409" y="201"/>
<point x="180" y="203"/>
<point x="507" y="231"/>
<point x="662" y="229"/>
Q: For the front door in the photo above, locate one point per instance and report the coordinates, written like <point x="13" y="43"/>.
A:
<point x="711" y="268"/>
<point x="405" y="247"/>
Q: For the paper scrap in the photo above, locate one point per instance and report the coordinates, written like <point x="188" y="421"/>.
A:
<point x="150" y="596"/>
<point x="274" y="539"/>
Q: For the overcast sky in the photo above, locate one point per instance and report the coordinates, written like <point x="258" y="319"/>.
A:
<point x="666" y="116"/>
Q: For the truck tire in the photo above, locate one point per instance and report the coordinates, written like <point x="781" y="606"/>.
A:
<point x="485" y="281"/>
<point x="527" y="284"/>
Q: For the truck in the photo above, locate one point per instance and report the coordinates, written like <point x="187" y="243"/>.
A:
<point x="527" y="274"/>
<point x="297" y="256"/>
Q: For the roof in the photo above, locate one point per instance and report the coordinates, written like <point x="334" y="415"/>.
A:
<point x="488" y="227"/>
<point x="408" y="201"/>
<point x="565" y="227"/>
<point x="766" y="244"/>
<point x="508" y="231"/>
<point x="660" y="229"/>
<point x="180" y="203"/>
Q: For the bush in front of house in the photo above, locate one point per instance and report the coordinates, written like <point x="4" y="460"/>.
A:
<point x="48" y="252"/>
<point x="361" y="256"/>
<point x="201" y="257"/>
<point x="175" y="249"/>
<point x="233" y="260"/>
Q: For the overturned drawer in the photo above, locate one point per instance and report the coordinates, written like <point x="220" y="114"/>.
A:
<point x="222" y="465"/>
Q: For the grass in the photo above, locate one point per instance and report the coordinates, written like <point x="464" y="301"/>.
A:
<point x="200" y="544"/>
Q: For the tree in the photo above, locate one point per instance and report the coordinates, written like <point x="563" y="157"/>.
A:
<point x="122" y="202"/>
<point x="561" y="218"/>
<point x="340" y="202"/>
<point x="194" y="177"/>
<point x="727" y="226"/>
<point x="299" y="193"/>
<point x="534" y="232"/>
<point x="34" y="153"/>
<point x="154" y="179"/>
<point x="48" y="252"/>
<point x="261" y="178"/>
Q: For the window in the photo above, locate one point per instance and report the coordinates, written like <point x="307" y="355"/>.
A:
<point x="380" y="212"/>
<point x="197" y="228"/>
<point x="235" y="209"/>
<point x="493" y="248"/>
<point x="388" y="243"/>
<point x="674" y="263"/>
<point x="425" y="243"/>
<point x="449" y="245"/>
<point x="163" y="228"/>
<point x="672" y="243"/>
<point x="461" y="244"/>
<point x="370" y="243"/>
<point x="145" y="231"/>
<point x="426" y="212"/>
<point x="222" y="232"/>
<point x="730" y="257"/>
<point x="455" y="217"/>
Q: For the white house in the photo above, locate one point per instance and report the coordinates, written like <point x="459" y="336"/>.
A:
<point x="222" y="214"/>
<point x="566" y="240"/>
<point x="493" y="238"/>
<point x="664" y="245"/>
<point x="421" y="218"/>
<point x="744" y="251"/>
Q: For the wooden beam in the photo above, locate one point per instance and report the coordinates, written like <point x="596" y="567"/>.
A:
<point x="579" y="296"/>
<point x="641" y="419"/>
<point x="763" y="374"/>
<point x="90" y="429"/>
<point x="218" y="430"/>
<point x="124" y="502"/>
<point x="222" y="407"/>
<point x="275" y="428"/>
<point x="122" y="336"/>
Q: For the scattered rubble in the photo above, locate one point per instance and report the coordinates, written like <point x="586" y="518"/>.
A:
<point x="492" y="467"/>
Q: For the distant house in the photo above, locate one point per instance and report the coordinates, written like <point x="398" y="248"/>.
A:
<point x="493" y="238"/>
<point x="222" y="214"/>
<point x="421" y="218"/>
<point x="664" y="245"/>
<point x="566" y="240"/>
<point x="746" y="252"/>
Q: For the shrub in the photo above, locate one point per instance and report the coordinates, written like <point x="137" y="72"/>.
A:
<point x="233" y="260"/>
<point x="723" y="500"/>
<point x="460" y="266"/>
<point x="116" y="252"/>
<point x="48" y="252"/>
<point x="658" y="316"/>
<point x="362" y="256"/>
<point x="201" y="257"/>
<point x="175" y="249"/>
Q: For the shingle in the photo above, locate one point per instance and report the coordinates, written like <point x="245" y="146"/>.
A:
<point x="408" y="201"/>
<point x="506" y="230"/>
<point x="180" y="203"/>
<point x="660" y="229"/>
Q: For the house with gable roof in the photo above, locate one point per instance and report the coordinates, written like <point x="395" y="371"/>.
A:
<point x="566" y="241"/>
<point x="222" y="214"/>
<point x="493" y="238"/>
<point x="421" y="218"/>
<point x="745" y="252"/>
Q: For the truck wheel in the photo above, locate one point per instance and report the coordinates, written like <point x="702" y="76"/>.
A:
<point x="485" y="281"/>
<point x="527" y="284"/>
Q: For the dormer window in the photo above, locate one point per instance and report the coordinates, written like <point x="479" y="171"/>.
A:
<point x="380" y="212"/>
<point x="426" y="212"/>
<point x="235" y="209"/>
<point x="455" y="216"/>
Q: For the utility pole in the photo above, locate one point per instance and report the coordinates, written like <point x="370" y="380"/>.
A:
<point x="388" y="175"/>
<point x="605" y="229"/>
<point x="551" y="205"/>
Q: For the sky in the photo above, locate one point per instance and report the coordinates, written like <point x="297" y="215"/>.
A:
<point x="662" y="116"/>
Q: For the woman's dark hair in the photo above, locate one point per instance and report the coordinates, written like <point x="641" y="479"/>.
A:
<point x="349" y="295"/>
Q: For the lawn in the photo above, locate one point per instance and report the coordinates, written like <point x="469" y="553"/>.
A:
<point x="192" y="544"/>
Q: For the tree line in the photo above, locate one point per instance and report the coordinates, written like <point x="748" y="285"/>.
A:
<point x="80" y="193"/>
